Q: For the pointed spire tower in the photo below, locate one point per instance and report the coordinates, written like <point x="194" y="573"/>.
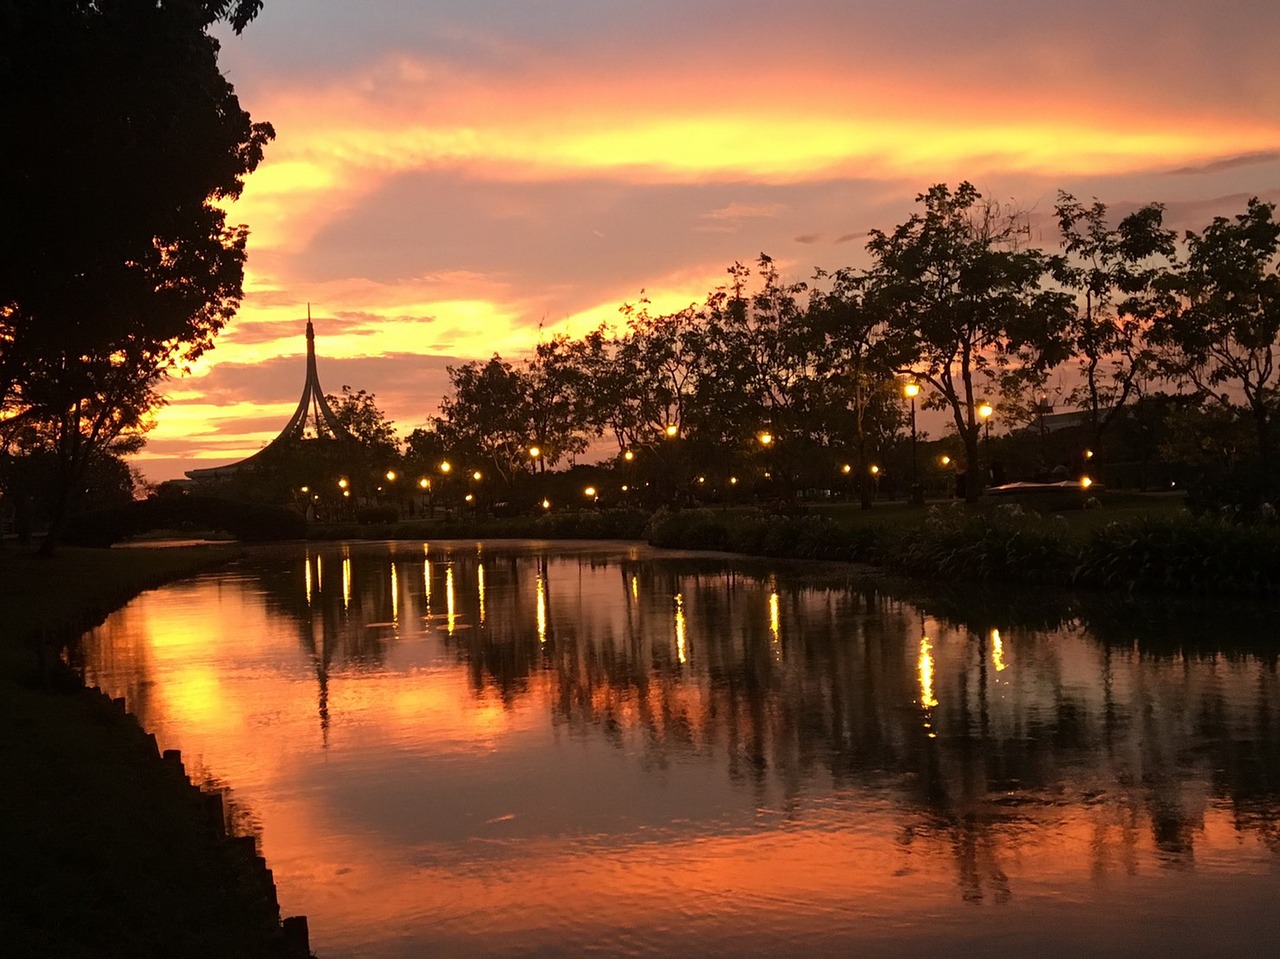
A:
<point x="313" y="419"/>
<point x="313" y="407"/>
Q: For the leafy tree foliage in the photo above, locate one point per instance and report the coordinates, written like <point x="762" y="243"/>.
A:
<point x="1117" y="276"/>
<point x="122" y="144"/>
<point x="857" y="360"/>
<point x="966" y="301"/>
<point x="1220" y="334"/>
<point x="358" y="413"/>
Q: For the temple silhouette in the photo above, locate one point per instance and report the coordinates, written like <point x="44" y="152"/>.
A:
<point x="313" y="419"/>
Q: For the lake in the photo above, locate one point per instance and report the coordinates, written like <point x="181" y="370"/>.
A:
<point x="466" y="749"/>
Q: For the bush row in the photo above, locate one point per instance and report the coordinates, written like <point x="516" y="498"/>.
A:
<point x="1185" y="554"/>
<point x="248" y="522"/>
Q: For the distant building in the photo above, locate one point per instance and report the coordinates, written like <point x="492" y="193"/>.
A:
<point x="313" y="418"/>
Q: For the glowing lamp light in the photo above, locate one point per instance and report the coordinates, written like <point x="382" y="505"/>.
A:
<point x="446" y="466"/>
<point x="342" y="483"/>
<point x="424" y="483"/>
<point x="846" y="469"/>
<point x="391" y="476"/>
<point x="911" y="390"/>
<point x="477" y="476"/>
<point x="590" y="491"/>
<point x="945" y="460"/>
<point x="733" y="481"/>
<point x="1085" y="482"/>
<point x="702" y="479"/>
<point x="470" y="498"/>
<point x="628" y="456"/>
<point x="985" y="410"/>
<point x="672" y="429"/>
<point x="534" y="452"/>
<point x="766" y="439"/>
<point x="546" y="504"/>
<point x="875" y="471"/>
<point x="1088" y="454"/>
<point x="306" y="489"/>
<point x="346" y="492"/>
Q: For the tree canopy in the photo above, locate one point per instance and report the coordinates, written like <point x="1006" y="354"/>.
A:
<point x="123" y="146"/>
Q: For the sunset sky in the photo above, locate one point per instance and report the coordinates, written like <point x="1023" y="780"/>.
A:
<point x="450" y="177"/>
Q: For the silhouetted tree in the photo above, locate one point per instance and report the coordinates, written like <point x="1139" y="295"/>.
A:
<point x="122" y="144"/>
<point x="861" y="408"/>
<point x="961" y="296"/>
<point x="1220" y="333"/>
<point x="1115" y="273"/>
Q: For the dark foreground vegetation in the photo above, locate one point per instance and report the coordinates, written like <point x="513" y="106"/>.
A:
<point x="108" y="850"/>
<point x="1153" y="548"/>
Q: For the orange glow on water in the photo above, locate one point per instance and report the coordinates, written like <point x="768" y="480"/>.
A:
<point x="409" y="780"/>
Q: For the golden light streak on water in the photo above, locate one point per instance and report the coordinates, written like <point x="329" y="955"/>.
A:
<point x="997" y="651"/>
<point x="395" y="596"/>
<point x="635" y="587"/>
<point x="448" y="599"/>
<point x="307" y="577"/>
<point x="542" y="610"/>
<point x="681" y="649"/>
<point x="775" y="625"/>
<point x="924" y="666"/>
<point x="346" y="582"/>
<point x="319" y="574"/>
<point x="426" y="579"/>
<point x="480" y="588"/>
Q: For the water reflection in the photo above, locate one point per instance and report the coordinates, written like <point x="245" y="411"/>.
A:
<point x="767" y="760"/>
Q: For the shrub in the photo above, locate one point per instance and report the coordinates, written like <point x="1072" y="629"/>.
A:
<point x="1242" y="492"/>
<point x="1005" y="544"/>
<point x="248" y="522"/>
<point x="1194" y="554"/>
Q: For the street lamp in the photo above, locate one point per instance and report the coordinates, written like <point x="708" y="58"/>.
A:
<point x="672" y="430"/>
<point x="445" y="467"/>
<point x="911" y="391"/>
<point x="985" y="411"/>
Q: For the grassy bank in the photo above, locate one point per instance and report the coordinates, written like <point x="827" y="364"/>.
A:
<point x="108" y="851"/>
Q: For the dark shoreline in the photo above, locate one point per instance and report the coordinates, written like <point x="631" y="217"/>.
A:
<point x="111" y="849"/>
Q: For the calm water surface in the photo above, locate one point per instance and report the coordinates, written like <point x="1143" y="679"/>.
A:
<point x="463" y="749"/>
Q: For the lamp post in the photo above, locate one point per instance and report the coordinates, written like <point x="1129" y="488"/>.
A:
<point x="911" y="391"/>
<point x="428" y="502"/>
<point x="445" y="469"/>
<point x="984" y="412"/>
